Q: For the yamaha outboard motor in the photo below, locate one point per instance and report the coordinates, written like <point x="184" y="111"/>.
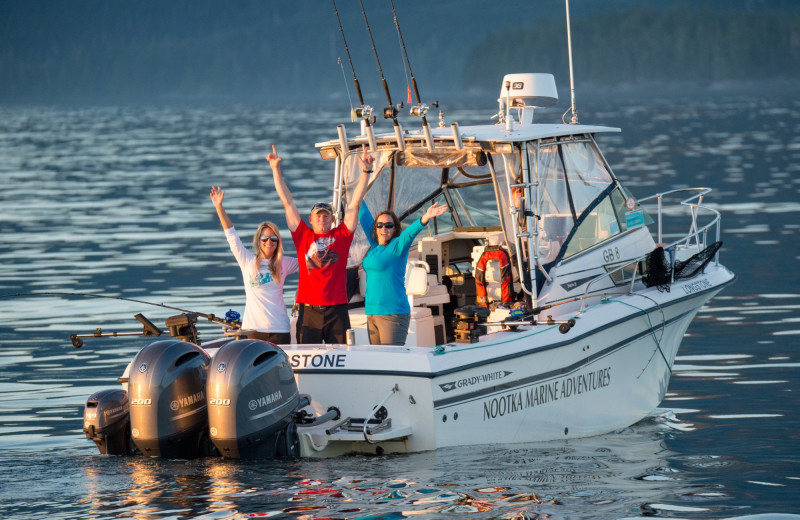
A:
<point x="167" y="385"/>
<point x="252" y="401"/>
<point x="106" y="422"/>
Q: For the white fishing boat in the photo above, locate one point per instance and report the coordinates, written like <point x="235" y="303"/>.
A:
<point x="578" y="335"/>
<point x="548" y="303"/>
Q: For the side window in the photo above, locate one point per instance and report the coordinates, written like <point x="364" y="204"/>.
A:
<point x="599" y="225"/>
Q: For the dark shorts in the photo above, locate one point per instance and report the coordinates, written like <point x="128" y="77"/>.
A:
<point x="322" y="323"/>
<point x="279" y="338"/>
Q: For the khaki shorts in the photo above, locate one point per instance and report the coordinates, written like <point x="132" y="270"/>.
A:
<point x="388" y="329"/>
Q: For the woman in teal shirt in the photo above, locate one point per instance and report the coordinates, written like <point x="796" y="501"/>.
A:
<point x="386" y="306"/>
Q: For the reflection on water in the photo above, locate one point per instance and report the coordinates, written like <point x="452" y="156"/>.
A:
<point x="605" y="476"/>
<point x="115" y="201"/>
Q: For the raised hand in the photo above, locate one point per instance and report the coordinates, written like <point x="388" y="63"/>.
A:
<point x="366" y="160"/>
<point x="273" y="158"/>
<point x="434" y="211"/>
<point x="216" y="196"/>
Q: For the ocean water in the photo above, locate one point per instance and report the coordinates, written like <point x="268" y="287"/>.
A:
<point x="114" y="201"/>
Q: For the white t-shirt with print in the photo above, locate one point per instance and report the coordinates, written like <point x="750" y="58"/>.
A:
<point x="264" y="309"/>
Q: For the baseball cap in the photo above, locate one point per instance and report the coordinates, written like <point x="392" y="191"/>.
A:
<point x="321" y="206"/>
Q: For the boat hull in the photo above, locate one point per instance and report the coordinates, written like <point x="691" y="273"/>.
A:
<point x="609" y="371"/>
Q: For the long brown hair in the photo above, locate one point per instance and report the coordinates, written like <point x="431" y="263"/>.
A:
<point x="277" y="255"/>
<point x="395" y="231"/>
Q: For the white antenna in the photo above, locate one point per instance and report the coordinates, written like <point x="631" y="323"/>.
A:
<point x="571" y="78"/>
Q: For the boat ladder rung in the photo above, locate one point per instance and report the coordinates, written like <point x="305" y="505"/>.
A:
<point x="352" y="429"/>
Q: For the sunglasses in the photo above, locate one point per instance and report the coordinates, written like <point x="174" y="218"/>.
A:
<point x="322" y="206"/>
<point x="387" y="225"/>
<point x="267" y="238"/>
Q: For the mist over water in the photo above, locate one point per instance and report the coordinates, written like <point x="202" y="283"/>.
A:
<point x="114" y="201"/>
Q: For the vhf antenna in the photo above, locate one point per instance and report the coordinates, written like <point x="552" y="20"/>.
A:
<point x="421" y="109"/>
<point x="574" y="120"/>
<point x="364" y="111"/>
<point x="389" y="112"/>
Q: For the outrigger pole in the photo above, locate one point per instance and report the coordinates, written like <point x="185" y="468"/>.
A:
<point x="389" y="112"/>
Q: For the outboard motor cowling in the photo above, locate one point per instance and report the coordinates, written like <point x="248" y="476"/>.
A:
<point x="167" y="391"/>
<point x="106" y="422"/>
<point x="252" y="401"/>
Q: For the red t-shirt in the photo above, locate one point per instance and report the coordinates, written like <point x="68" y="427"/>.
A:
<point x="323" y="264"/>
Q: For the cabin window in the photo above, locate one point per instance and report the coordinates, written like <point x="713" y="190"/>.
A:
<point x="598" y="225"/>
<point x="556" y="216"/>
<point x="618" y="197"/>
<point x="586" y="174"/>
<point x="572" y="175"/>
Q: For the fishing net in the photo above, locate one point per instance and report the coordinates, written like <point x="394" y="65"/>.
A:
<point x="658" y="273"/>
<point x="696" y="263"/>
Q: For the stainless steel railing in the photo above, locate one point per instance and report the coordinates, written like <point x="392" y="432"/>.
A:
<point x="696" y="231"/>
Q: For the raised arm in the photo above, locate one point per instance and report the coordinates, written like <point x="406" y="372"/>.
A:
<point x="367" y="221"/>
<point x="216" y="198"/>
<point x="289" y="207"/>
<point x="351" y="213"/>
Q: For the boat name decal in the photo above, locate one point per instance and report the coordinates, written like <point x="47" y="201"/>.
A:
<point x="318" y="360"/>
<point x="187" y="401"/>
<point x="699" y="285"/>
<point x="568" y="286"/>
<point x="265" y="400"/>
<point x="562" y="388"/>
<point x="474" y="380"/>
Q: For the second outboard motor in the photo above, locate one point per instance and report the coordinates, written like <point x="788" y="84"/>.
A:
<point x="168" y="411"/>
<point x="106" y="422"/>
<point x="252" y="398"/>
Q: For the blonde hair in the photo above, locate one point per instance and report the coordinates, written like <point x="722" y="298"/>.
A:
<point x="277" y="255"/>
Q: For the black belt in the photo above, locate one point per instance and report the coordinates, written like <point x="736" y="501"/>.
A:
<point x="322" y="308"/>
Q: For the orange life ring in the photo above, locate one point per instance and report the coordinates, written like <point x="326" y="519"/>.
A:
<point x="493" y="253"/>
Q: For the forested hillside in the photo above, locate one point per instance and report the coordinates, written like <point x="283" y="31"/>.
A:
<point x="642" y="44"/>
<point x="269" y="51"/>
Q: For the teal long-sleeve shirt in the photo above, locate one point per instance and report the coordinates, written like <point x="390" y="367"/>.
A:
<point x="386" y="268"/>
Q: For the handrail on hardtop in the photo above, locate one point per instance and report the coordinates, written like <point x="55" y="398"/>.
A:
<point x="694" y="232"/>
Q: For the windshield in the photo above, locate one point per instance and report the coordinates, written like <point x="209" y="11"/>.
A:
<point x="573" y="179"/>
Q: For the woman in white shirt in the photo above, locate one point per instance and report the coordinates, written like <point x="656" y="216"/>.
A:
<point x="263" y="274"/>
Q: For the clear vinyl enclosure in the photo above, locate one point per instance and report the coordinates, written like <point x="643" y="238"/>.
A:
<point x="563" y="184"/>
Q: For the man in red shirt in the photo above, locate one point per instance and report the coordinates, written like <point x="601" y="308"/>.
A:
<point x="322" y="256"/>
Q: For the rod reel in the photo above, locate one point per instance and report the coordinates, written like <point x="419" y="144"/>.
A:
<point x="363" y="112"/>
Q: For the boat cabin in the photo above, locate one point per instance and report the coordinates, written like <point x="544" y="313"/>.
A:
<point x="535" y="211"/>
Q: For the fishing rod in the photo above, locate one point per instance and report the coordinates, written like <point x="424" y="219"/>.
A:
<point x="389" y="112"/>
<point x="421" y="109"/>
<point x="365" y="111"/>
<point x="230" y="322"/>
